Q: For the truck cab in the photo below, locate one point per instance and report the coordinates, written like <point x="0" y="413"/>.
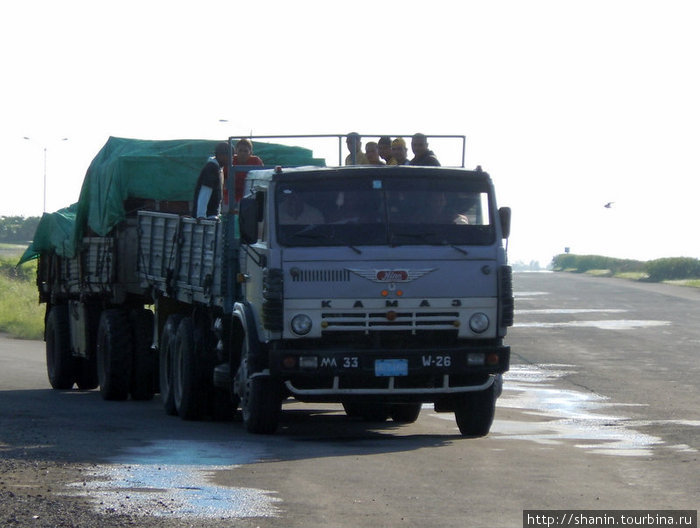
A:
<point x="380" y="288"/>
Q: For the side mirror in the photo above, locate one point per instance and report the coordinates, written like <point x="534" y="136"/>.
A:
<point x="504" y="215"/>
<point x="248" y="219"/>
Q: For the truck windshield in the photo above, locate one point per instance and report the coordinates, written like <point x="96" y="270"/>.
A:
<point x="386" y="211"/>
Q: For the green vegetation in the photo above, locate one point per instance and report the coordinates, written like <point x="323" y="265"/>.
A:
<point x="12" y="250"/>
<point x="21" y="315"/>
<point x="17" y="229"/>
<point x="678" y="270"/>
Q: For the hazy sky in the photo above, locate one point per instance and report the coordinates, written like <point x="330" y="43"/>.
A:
<point x="567" y="104"/>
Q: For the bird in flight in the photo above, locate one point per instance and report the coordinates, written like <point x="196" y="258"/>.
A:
<point x="608" y="205"/>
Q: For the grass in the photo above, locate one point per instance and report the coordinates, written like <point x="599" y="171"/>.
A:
<point x="600" y="273"/>
<point x="633" y="275"/>
<point x="11" y="251"/>
<point x="693" y="283"/>
<point x="641" y="277"/>
<point x="21" y="315"/>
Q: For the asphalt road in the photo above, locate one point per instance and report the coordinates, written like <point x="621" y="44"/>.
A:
<point x="600" y="411"/>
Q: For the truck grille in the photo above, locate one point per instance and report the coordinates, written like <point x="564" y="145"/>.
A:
<point x="398" y="321"/>
<point x="320" y="275"/>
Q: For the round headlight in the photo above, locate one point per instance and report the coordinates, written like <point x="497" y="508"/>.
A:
<point x="479" y="322"/>
<point x="301" y="324"/>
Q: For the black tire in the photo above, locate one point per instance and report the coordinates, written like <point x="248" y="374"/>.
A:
<point x="60" y="364"/>
<point x="405" y="413"/>
<point x="142" y="382"/>
<point x="474" y="412"/>
<point x="260" y="396"/>
<point x="165" y="363"/>
<point x="114" y="354"/>
<point x="188" y="394"/>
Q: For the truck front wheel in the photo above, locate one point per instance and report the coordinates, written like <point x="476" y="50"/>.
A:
<point x="114" y="354"/>
<point x="60" y="364"/>
<point x="474" y="412"/>
<point x="261" y="400"/>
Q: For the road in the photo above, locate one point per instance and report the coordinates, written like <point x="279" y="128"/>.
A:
<point x="600" y="411"/>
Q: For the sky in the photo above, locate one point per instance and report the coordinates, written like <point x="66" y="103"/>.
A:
<point x="568" y="105"/>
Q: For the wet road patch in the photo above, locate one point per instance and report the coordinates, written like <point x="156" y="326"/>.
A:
<point x="173" y="478"/>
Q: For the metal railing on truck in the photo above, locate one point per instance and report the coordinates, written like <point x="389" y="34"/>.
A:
<point x="341" y="144"/>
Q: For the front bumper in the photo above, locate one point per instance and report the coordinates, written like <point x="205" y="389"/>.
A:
<point x="414" y="374"/>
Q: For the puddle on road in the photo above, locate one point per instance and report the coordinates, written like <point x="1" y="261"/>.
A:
<point x="568" y="415"/>
<point x="611" y="324"/>
<point x="550" y="311"/>
<point x="171" y="479"/>
<point x="527" y="296"/>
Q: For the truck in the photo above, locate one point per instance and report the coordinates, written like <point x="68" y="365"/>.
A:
<point x="379" y="288"/>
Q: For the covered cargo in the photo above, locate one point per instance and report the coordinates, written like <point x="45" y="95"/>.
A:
<point x="135" y="174"/>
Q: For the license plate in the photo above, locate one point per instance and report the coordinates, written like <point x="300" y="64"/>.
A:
<point x="391" y="367"/>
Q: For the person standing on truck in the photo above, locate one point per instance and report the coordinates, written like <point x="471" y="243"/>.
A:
<point x="243" y="156"/>
<point x="372" y="154"/>
<point x="384" y="144"/>
<point x="422" y="155"/>
<point x="399" y="151"/>
<point x="209" y="189"/>
<point x="354" y="142"/>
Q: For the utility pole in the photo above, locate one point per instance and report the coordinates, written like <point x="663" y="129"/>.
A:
<point x="45" y="155"/>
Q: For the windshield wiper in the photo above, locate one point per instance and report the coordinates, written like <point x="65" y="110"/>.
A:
<point x="304" y="233"/>
<point x="426" y="237"/>
<point x="421" y="236"/>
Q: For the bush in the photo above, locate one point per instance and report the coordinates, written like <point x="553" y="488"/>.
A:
<point x="583" y="263"/>
<point x="654" y="270"/>
<point x="673" y="269"/>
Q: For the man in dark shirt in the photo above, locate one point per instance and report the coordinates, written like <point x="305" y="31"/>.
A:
<point x="209" y="188"/>
<point x="422" y="155"/>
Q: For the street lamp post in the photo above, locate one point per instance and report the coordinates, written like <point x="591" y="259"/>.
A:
<point x="45" y="150"/>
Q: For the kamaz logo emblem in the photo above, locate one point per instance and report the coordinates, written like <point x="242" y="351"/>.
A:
<point x="392" y="275"/>
<point x="397" y="275"/>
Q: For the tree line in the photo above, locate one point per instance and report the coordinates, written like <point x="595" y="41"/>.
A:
<point x="674" y="268"/>
<point x="18" y="229"/>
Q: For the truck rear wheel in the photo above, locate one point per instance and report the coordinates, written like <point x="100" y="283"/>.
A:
<point x="474" y="412"/>
<point x="165" y="363"/>
<point x="143" y="359"/>
<point x="60" y="364"/>
<point x="261" y="401"/>
<point x="114" y="354"/>
<point x="188" y="395"/>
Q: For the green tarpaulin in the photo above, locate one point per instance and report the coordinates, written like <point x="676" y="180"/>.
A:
<point x="135" y="168"/>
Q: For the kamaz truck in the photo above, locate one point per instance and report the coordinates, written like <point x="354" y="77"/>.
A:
<point x="380" y="288"/>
